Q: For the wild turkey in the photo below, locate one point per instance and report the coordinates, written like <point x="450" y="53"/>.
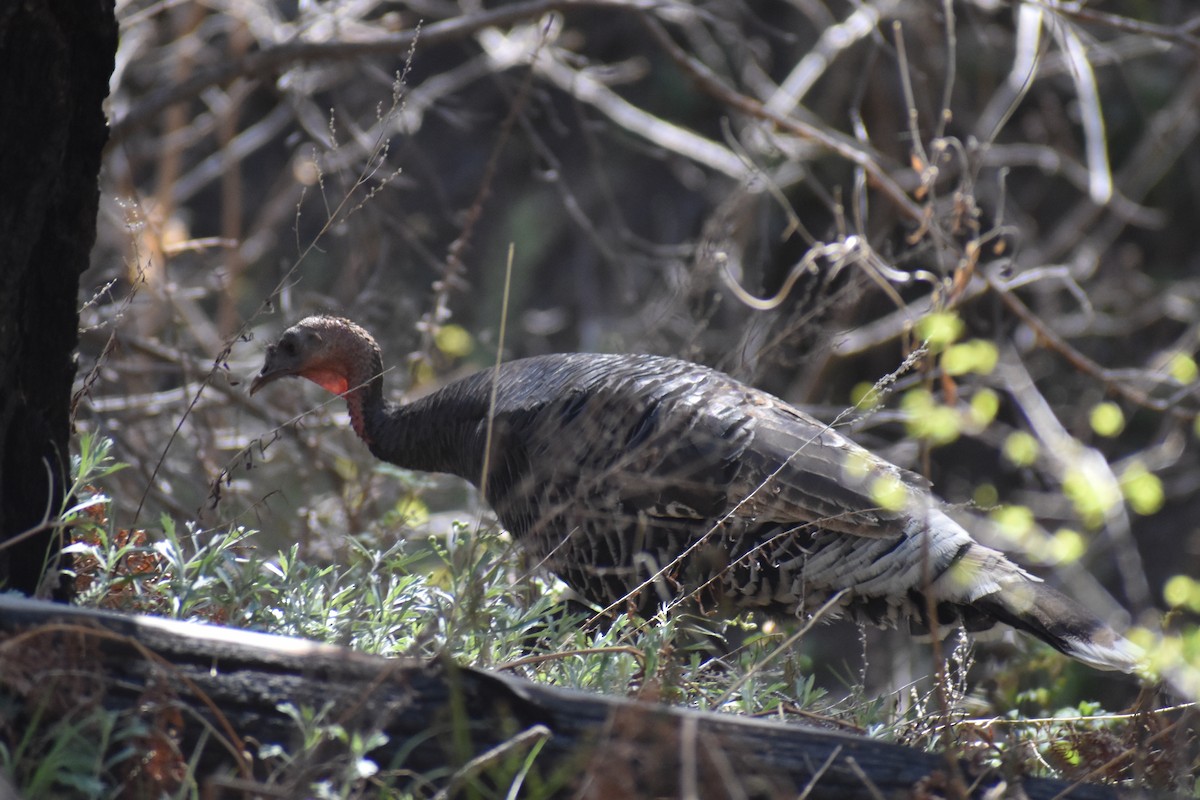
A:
<point x="641" y="479"/>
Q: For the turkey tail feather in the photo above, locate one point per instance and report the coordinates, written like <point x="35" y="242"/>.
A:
<point x="1062" y="623"/>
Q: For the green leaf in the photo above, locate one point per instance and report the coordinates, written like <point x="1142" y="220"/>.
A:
<point x="1182" y="368"/>
<point x="889" y="492"/>
<point x="986" y="495"/>
<point x="1093" y="500"/>
<point x="977" y="355"/>
<point x="1107" y="419"/>
<point x="1182" y="591"/>
<point x="985" y="404"/>
<point x="939" y="329"/>
<point x="865" y="396"/>
<point x="1067" y="546"/>
<point x="1015" y="521"/>
<point x="928" y="419"/>
<point x="1142" y="489"/>
<point x="1020" y="448"/>
<point x="454" y="341"/>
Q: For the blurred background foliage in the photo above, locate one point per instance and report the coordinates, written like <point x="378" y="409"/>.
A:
<point x="971" y="224"/>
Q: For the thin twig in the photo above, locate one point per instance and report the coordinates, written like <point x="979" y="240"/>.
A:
<point x="784" y="646"/>
<point x="689" y="778"/>
<point x="526" y="739"/>
<point x="495" y="390"/>
<point x="1078" y="360"/>
<point x="867" y="783"/>
<point x="453" y="266"/>
<point x="991" y="722"/>
<point x="1117" y="759"/>
<point x="335" y="215"/>
<point x="821" y="770"/>
<point x="1183" y="34"/>
<point x="835" y="39"/>
<point x="587" y="651"/>
<point x="870" y="161"/>
<point x="278" y="58"/>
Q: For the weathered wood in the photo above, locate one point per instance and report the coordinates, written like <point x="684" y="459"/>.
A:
<point x="448" y="723"/>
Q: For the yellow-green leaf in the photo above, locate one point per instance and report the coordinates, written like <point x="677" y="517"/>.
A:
<point x="1143" y="489"/>
<point x="1183" y="368"/>
<point x="939" y="329"/>
<point x="1016" y="522"/>
<point x="454" y="341"/>
<point x="985" y="404"/>
<point x="1067" y="546"/>
<point x="889" y="492"/>
<point x="985" y="495"/>
<point x="942" y="426"/>
<point x="927" y="419"/>
<point x="422" y="373"/>
<point x="856" y="465"/>
<point x="864" y="395"/>
<point x="1182" y="590"/>
<point x="917" y="400"/>
<point x="411" y="511"/>
<point x="1107" y="419"/>
<point x="1020" y="448"/>
<point x="1093" y="500"/>
<point x="977" y="355"/>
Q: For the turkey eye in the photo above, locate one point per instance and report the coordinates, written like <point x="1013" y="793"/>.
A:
<point x="288" y="347"/>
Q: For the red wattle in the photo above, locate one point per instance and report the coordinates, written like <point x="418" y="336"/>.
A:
<point x="329" y="380"/>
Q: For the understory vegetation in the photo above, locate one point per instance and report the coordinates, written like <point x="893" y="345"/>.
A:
<point x="459" y="593"/>
<point x="963" y="233"/>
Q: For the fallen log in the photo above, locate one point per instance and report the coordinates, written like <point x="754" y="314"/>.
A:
<point x="221" y="698"/>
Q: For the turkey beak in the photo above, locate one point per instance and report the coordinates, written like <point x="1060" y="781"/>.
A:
<point x="270" y="372"/>
<point x="261" y="380"/>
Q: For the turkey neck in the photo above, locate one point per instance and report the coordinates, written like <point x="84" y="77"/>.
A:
<point x="432" y="434"/>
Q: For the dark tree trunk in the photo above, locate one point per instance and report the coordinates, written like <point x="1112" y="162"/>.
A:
<point x="56" y="57"/>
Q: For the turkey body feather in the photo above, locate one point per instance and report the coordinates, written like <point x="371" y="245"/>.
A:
<point x="641" y="480"/>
